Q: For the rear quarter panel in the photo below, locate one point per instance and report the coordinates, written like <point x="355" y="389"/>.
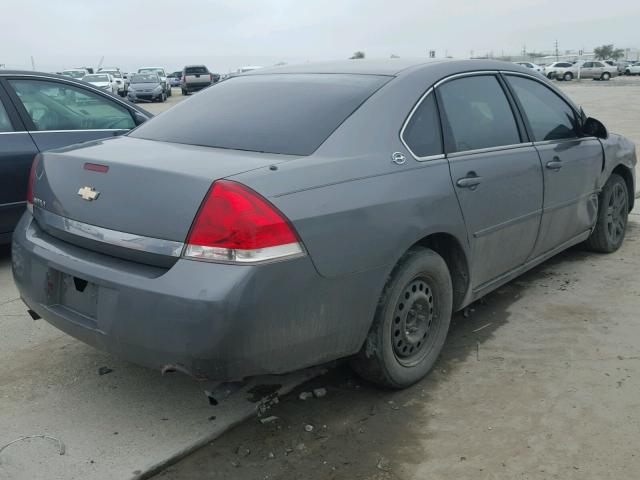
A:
<point x="354" y="208"/>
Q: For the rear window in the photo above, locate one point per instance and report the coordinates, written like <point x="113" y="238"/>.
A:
<point x="192" y="70"/>
<point x="282" y="113"/>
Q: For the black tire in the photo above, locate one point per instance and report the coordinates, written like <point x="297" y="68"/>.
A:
<point x="550" y="76"/>
<point x="605" y="76"/>
<point x="169" y="91"/>
<point x="567" y="76"/>
<point x="410" y="324"/>
<point x="185" y="92"/>
<point x="613" y="212"/>
<point x="163" y="98"/>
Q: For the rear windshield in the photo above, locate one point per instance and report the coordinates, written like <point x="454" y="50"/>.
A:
<point x="285" y="113"/>
<point x="189" y="70"/>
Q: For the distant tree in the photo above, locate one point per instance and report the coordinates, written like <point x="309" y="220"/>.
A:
<point x="605" y="52"/>
<point x="357" y="56"/>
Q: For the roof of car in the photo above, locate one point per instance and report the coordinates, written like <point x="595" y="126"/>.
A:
<point x="389" y="66"/>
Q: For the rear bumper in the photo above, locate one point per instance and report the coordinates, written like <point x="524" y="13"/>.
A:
<point x="222" y="322"/>
<point x="194" y="87"/>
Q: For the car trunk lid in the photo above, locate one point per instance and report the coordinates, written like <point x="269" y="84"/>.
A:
<point x="141" y="188"/>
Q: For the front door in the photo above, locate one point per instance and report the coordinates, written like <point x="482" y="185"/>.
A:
<point x="572" y="163"/>
<point x="16" y="154"/>
<point x="496" y="174"/>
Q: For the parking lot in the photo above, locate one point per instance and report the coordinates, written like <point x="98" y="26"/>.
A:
<point x="539" y="380"/>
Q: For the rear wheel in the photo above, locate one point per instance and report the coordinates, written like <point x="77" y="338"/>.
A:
<point x="613" y="212"/>
<point x="411" y="322"/>
<point x="567" y="77"/>
<point x="605" y="76"/>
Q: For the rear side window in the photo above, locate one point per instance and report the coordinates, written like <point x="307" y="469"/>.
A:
<point x="5" y="123"/>
<point x="280" y="113"/>
<point x="422" y="133"/>
<point x="478" y="114"/>
<point x="550" y="117"/>
<point x="194" y="70"/>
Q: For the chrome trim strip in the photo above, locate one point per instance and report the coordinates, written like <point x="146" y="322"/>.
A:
<point x="563" y="140"/>
<point x="82" y="130"/>
<point x="131" y="241"/>
<point x="489" y="149"/>
<point x="12" y="204"/>
<point x="13" y="133"/>
<point x="465" y="74"/>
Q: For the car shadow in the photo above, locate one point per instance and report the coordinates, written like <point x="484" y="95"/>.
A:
<point x="359" y="430"/>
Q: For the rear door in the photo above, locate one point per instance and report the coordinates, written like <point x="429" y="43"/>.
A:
<point x="16" y="154"/>
<point x="57" y="113"/>
<point x="572" y="163"/>
<point x="496" y="173"/>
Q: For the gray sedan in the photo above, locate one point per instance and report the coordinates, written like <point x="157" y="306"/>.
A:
<point x="289" y="217"/>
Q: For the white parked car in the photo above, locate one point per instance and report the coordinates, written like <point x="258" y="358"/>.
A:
<point x="633" y="69"/>
<point x="555" y="69"/>
<point x="123" y="84"/>
<point x="593" y="69"/>
<point x="163" y="77"/>
<point x="532" y="66"/>
<point x="103" y="81"/>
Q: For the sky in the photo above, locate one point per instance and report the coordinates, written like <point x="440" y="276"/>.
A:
<point x="227" y="34"/>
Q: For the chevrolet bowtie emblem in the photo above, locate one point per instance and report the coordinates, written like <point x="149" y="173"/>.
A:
<point x="88" y="193"/>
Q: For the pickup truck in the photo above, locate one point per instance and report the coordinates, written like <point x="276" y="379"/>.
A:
<point x="194" y="78"/>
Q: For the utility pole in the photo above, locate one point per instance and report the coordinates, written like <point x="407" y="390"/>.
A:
<point x="33" y="63"/>
<point x="557" y="53"/>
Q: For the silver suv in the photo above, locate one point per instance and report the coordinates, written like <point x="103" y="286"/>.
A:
<point x="194" y="78"/>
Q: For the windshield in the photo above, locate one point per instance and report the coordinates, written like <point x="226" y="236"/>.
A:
<point x="96" y="78"/>
<point x="145" y="78"/>
<point x="195" y="70"/>
<point x="113" y="73"/>
<point x="159" y="71"/>
<point x="265" y="113"/>
<point x="74" y="73"/>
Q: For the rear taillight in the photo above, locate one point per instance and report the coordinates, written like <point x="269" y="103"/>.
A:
<point x="237" y="225"/>
<point x="32" y="181"/>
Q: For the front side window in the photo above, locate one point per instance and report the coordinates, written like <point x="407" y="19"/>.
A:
<point x="58" y="106"/>
<point x="422" y="133"/>
<point x="5" y="123"/>
<point x="478" y="114"/>
<point x="550" y="117"/>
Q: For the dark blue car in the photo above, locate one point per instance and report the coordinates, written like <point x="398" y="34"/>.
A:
<point x="38" y="112"/>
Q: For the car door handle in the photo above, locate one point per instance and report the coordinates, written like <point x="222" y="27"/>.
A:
<point x="471" y="181"/>
<point x="554" y="164"/>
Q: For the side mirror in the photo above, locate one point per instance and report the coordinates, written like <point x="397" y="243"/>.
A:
<point x="594" y="128"/>
<point x="138" y="118"/>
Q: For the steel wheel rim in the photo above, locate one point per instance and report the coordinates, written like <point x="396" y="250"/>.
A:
<point x="415" y="322"/>
<point x="617" y="213"/>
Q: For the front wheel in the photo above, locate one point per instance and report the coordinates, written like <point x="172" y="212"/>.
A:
<point x="411" y="322"/>
<point x="613" y="212"/>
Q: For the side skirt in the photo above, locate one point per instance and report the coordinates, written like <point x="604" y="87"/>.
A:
<point x="482" y="290"/>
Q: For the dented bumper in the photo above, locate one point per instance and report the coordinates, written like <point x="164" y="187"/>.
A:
<point x="216" y="321"/>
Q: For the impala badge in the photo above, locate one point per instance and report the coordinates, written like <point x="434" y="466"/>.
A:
<point x="88" y="193"/>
